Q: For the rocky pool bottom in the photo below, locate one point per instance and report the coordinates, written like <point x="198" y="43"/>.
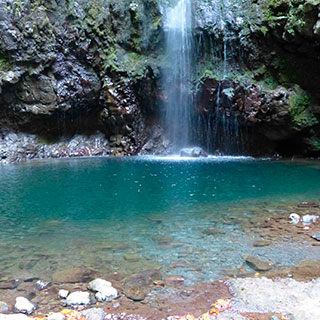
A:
<point x="259" y="289"/>
<point x="171" y="235"/>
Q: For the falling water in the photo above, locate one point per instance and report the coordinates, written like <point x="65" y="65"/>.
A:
<point x="177" y="80"/>
<point x="218" y="129"/>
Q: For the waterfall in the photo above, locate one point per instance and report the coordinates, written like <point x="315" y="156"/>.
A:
<point x="216" y="129"/>
<point x="177" y="81"/>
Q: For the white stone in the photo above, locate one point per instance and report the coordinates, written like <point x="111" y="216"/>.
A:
<point x="94" y="314"/>
<point x="107" y="294"/>
<point x="24" y="305"/>
<point x="295" y="218"/>
<point x="13" y="317"/>
<point x="78" y="297"/>
<point x="56" y="316"/>
<point x="98" y="285"/>
<point x="308" y="219"/>
<point x="63" y="293"/>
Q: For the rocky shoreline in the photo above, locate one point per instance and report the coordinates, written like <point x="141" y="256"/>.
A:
<point x="256" y="298"/>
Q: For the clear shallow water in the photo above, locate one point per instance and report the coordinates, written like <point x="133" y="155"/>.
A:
<point x="93" y="212"/>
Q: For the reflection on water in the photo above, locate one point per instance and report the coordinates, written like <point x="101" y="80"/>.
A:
<point x="94" y="212"/>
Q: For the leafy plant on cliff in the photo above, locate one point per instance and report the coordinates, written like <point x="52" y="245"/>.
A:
<point x="301" y="116"/>
<point x="4" y="64"/>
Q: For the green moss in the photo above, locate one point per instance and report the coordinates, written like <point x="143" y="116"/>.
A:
<point x="4" y="64"/>
<point x="315" y="143"/>
<point x="301" y="116"/>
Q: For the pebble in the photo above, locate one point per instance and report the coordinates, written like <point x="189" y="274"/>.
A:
<point x="24" y="305"/>
<point x="4" y="307"/>
<point x="41" y="285"/>
<point x="56" y="316"/>
<point x="63" y="293"/>
<point x="78" y="297"/>
<point x="316" y="236"/>
<point x="262" y="243"/>
<point x="132" y="257"/>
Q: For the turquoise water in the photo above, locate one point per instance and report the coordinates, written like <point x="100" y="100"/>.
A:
<point x="94" y="212"/>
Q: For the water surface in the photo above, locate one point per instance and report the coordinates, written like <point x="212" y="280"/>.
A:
<point x="94" y="212"/>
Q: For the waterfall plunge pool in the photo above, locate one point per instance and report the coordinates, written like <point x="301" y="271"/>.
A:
<point x="126" y="215"/>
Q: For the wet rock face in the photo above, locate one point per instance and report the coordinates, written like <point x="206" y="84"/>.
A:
<point x="78" y="67"/>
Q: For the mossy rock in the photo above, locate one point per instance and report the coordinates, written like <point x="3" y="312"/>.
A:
<point x="300" y="113"/>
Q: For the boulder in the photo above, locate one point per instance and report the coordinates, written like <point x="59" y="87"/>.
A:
<point x="78" y="297"/>
<point x="137" y="286"/>
<point x="98" y="285"/>
<point x="107" y="294"/>
<point x="104" y="290"/>
<point x="24" y="305"/>
<point x="195" y="152"/>
<point x="136" y="293"/>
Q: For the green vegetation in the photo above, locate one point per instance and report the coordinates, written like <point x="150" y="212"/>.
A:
<point x="4" y="64"/>
<point x="301" y="116"/>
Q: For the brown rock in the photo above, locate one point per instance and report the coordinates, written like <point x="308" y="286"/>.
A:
<point x="262" y="243"/>
<point x="136" y="293"/>
<point x="258" y="264"/>
<point x="9" y="284"/>
<point x="132" y="257"/>
<point x="174" y="281"/>
<point x="211" y="232"/>
<point x="306" y="204"/>
<point x="73" y="275"/>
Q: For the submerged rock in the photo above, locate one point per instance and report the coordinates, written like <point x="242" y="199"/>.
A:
<point x="73" y="275"/>
<point x="174" y="281"/>
<point x="195" y="152"/>
<point x="306" y="204"/>
<point x="258" y="264"/>
<point x="262" y="243"/>
<point x="24" y="305"/>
